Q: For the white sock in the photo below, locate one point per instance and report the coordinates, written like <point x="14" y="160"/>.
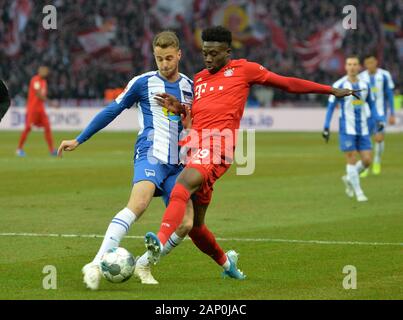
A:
<point x="173" y="241"/>
<point x="117" y="229"/>
<point x="378" y="150"/>
<point x="226" y="265"/>
<point x="354" y="178"/>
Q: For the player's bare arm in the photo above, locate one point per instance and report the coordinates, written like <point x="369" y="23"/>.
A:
<point x="340" y="93"/>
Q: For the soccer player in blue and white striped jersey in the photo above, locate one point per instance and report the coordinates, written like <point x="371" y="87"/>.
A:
<point x="156" y="159"/>
<point x="354" y="133"/>
<point x="382" y="87"/>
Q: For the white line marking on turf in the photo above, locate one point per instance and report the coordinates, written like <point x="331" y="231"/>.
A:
<point x="329" y="242"/>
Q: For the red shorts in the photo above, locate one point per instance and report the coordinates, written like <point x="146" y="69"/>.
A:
<point x="38" y="119"/>
<point x="211" y="173"/>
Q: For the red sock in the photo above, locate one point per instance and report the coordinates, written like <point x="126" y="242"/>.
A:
<point x="24" y="136"/>
<point x="48" y="137"/>
<point x="174" y="213"/>
<point x="204" y="239"/>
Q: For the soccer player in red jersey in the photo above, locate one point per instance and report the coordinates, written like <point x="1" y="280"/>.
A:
<point x="220" y="94"/>
<point x="36" y="115"/>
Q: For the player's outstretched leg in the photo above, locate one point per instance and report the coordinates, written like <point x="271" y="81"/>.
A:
<point x="204" y="239"/>
<point x="20" y="151"/>
<point x="141" y="195"/>
<point x="117" y="229"/>
<point x="188" y="182"/>
<point x="48" y="137"/>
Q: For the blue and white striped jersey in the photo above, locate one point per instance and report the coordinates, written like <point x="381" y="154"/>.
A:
<point x="353" y="113"/>
<point x="382" y="86"/>
<point x="159" y="129"/>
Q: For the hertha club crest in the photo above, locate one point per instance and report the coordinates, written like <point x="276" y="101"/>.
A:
<point x="229" y="72"/>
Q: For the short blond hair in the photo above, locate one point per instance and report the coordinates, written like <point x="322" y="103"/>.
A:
<point x="166" y="39"/>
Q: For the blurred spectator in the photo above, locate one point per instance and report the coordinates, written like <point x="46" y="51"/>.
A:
<point x="78" y="74"/>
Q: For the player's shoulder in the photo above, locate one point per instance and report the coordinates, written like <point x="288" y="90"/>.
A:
<point x="363" y="82"/>
<point x="35" y="78"/>
<point x="340" y="82"/>
<point x="199" y="76"/>
<point x="201" y="73"/>
<point x="145" y="75"/>
<point x="141" y="78"/>
<point x="244" y="63"/>
<point x="239" y="62"/>
<point x="384" y="72"/>
<point x="363" y="74"/>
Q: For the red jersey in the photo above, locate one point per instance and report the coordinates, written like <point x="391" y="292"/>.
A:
<point x="219" y="99"/>
<point x="34" y="103"/>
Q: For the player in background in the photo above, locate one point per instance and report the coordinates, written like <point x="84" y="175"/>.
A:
<point x="156" y="164"/>
<point x="221" y="91"/>
<point x="354" y="134"/>
<point x="5" y="99"/>
<point x="382" y="87"/>
<point x="36" y="115"/>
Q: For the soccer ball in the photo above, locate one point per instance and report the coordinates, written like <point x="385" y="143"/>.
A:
<point x="117" y="265"/>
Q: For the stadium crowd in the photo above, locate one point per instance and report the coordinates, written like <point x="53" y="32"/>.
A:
<point x="135" y="23"/>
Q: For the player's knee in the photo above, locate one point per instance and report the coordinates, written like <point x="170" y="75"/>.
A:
<point x="191" y="179"/>
<point x="378" y="138"/>
<point x="184" y="182"/>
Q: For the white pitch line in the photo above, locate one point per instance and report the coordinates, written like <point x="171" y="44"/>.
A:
<point x="328" y="242"/>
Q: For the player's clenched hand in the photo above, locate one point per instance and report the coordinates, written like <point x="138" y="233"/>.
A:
<point x="187" y="118"/>
<point x="340" y="93"/>
<point x="67" y="145"/>
<point x="380" y="125"/>
<point x="170" y="103"/>
<point x="326" y="134"/>
<point x="392" y="120"/>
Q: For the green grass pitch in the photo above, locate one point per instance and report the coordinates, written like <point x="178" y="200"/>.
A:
<point x="295" y="194"/>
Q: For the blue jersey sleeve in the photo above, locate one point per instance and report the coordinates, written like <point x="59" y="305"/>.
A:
<point x="371" y="102"/>
<point x="126" y="100"/>
<point x="388" y="90"/>
<point x="330" y="109"/>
